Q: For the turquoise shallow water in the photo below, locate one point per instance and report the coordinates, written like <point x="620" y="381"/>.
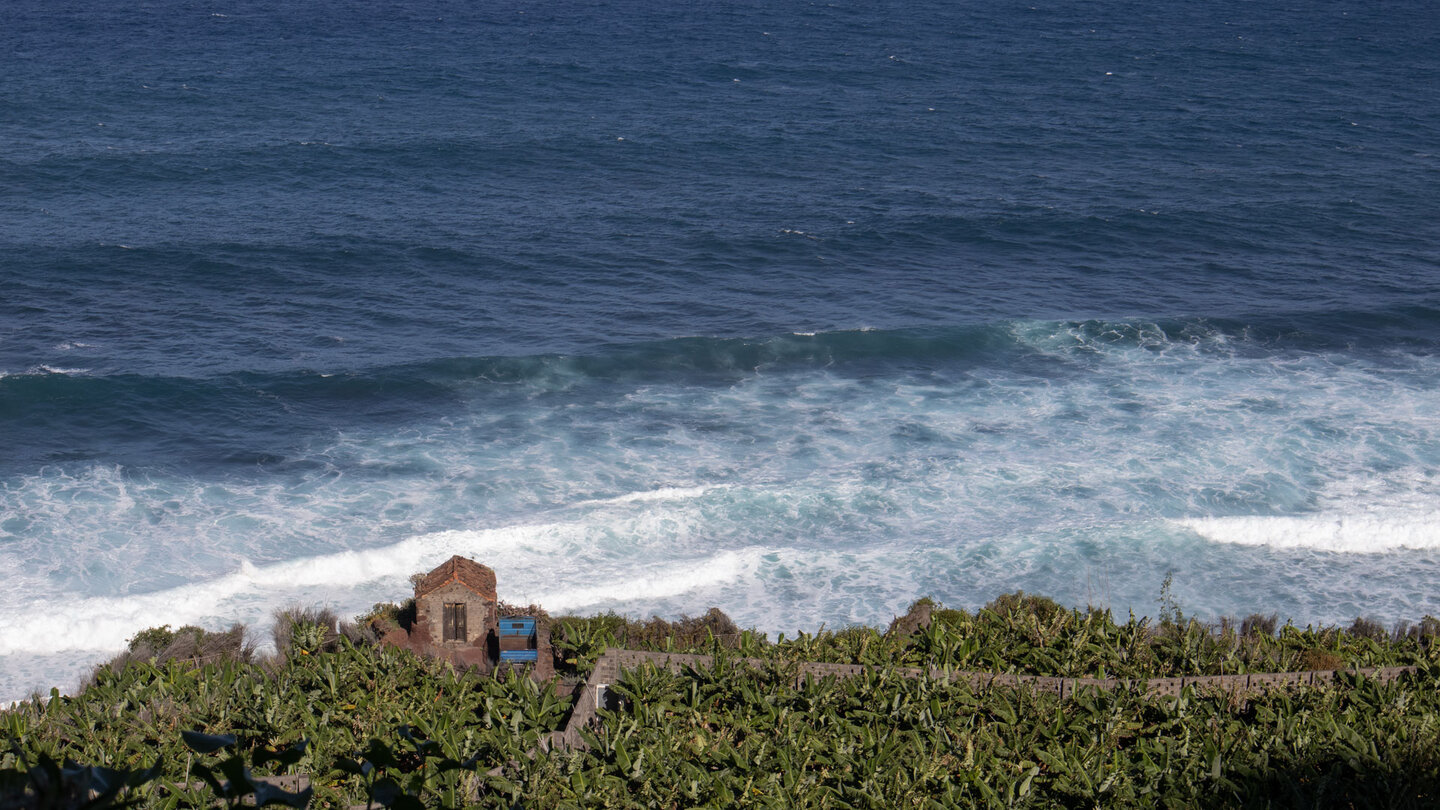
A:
<point x="802" y="311"/>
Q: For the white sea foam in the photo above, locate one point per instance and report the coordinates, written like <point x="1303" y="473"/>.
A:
<point x="651" y="496"/>
<point x="73" y="634"/>
<point x="644" y="584"/>
<point x="104" y="623"/>
<point x="1355" y="534"/>
<point x="249" y="593"/>
<point x="1359" y="512"/>
<point x="789" y="498"/>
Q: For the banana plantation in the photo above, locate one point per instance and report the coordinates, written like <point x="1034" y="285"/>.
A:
<point x="371" y="726"/>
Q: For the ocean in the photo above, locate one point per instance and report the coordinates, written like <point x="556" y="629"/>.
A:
<point x="803" y="310"/>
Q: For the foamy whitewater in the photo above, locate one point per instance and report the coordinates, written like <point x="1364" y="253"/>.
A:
<point x="803" y="312"/>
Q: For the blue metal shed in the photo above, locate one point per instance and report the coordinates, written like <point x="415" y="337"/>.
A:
<point x="517" y="639"/>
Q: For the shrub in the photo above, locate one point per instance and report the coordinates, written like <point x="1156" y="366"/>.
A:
<point x="1368" y="628"/>
<point x="917" y="617"/>
<point x="686" y="633"/>
<point x="581" y="639"/>
<point x="383" y="617"/>
<point x="1042" y="607"/>
<point x="1320" y="659"/>
<point x="194" y="644"/>
<point x="1257" y="624"/>
<point x="190" y="644"/>
<point x="151" y="640"/>
<point x="308" y="630"/>
<point x="950" y="617"/>
<point x="506" y="609"/>
<point x="1425" y="632"/>
<point x="1429" y="628"/>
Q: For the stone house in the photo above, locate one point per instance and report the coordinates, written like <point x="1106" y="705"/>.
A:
<point x="457" y="611"/>
<point x="457" y="617"/>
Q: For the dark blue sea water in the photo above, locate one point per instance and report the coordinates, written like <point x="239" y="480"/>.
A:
<point x="799" y="309"/>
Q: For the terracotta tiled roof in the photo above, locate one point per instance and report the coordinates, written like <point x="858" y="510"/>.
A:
<point x="467" y="572"/>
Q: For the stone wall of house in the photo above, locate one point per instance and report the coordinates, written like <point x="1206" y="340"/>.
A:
<point x="480" y="615"/>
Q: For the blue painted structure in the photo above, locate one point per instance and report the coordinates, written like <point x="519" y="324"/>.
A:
<point x="517" y="639"/>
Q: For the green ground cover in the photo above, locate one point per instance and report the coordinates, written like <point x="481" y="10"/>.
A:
<point x="734" y="737"/>
<point x="1019" y="633"/>
<point x="373" y="724"/>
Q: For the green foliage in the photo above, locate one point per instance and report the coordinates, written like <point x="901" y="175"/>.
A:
<point x="154" y="638"/>
<point x="1029" y="634"/>
<point x="383" y="617"/>
<point x="1368" y="628"/>
<point x="1043" y="608"/>
<point x="381" y="726"/>
<point x="1257" y="624"/>
<point x="1026" y="634"/>
<point x="732" y="736"/>
<point x="580" y="640"/>
<point x="1169" y="608"/>
<point x="305" y="630"/>
<point x="239" y="784"/>
<point x="190" y="644"/>
<point x="339" y="703"/>
<point x="50" y="784"/>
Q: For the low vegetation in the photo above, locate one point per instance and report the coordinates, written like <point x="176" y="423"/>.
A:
<point x="1022" y="633"/>
<point x="187" y="719"/>
<point x="189" y="644"/>
<point x="732" y="736"/>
